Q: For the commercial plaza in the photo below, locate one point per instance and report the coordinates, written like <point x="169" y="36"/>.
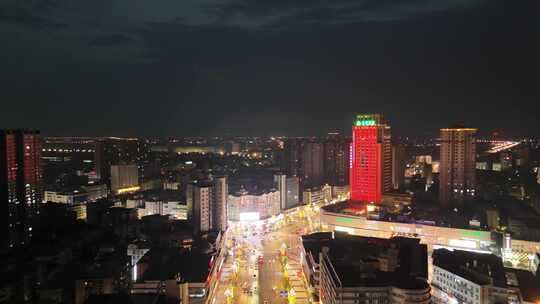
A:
<point x="518" y="253"/>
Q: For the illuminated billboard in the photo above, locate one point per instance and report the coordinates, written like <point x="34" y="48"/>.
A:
<point x="249" y="216"/>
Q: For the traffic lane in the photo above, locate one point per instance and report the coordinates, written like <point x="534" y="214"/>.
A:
<point x="271" y="270"/>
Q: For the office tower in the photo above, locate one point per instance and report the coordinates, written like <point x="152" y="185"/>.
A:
<point x="457" y="164"/>
<point x="280" y="181"/>
<point x="199" y="200"/>
<point x="219" y="203"/>
<point x="292" y="157"/>
<point x="398" y="166"/>
<point x="293" y="191"/>
<point x="371" y="161"/>
<point x="21" y="185"/>
<point x="312" y="164"/>
<point x="336" y="160"/>
<point x="124" y="179"/>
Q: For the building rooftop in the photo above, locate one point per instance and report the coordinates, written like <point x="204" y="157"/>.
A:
<point x="252" y="191"/>
<point x="357" y="260"/>
<point x="479" y="268"/>
<point x="169" y="263"/>
<point x="528" y="285"/>
<point x="418" y="213"/>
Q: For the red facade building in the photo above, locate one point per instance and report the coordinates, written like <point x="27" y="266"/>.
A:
<point x="21" y="185"/>
<point x="371" y="159"/>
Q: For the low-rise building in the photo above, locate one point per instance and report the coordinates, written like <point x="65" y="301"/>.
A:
<point x="124" y="179"/>
<point x="255" y="205"/>
<point x="163" y="202"/>
<point x="75" y="200"/>
<point x="317" y="195"/>
<point x="350" y="269"/>
<point x="470" y="277"/>
<point x="340" y="192"/>
<point x="66" y="197"/>
<point x="181" y="275"/>
<point x="107" y="275"/>
<point x="95" y="192"/>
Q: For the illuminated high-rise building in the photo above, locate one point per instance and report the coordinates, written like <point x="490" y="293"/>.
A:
<point x="457" y="170"/>
<point x="199" y="198"/>
<point x="371" y="159"/>
<point x="207" y="204"/>
<point x="21" y="185"/>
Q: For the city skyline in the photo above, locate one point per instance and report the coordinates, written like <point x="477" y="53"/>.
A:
<point x="269" y="152"/>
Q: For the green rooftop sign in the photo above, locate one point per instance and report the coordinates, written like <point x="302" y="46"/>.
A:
<point x="366" y="122"/>
<point x="473" y="234"/>
<point x="343" y="220"/>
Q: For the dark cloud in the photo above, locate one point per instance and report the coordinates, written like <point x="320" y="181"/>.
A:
<point x="112" y="40"/>
<point x="279" y="13"/>
<point x="167" y="67"/>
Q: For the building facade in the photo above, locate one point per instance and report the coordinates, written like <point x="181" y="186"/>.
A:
<point x="349" y="269"/>
<point x="199" y="199"/>
<point x="293" y="192"/>
<point x="371" y="159"/>
<point x="336" y="160"/>
<point x="312" y="164"/>
<point x="219" y="203"/>
<point x="317" y="195"/>
<point x="124" y="178"/>
<point x="470" y="277"/>
<point x="398" y="166"/>
<point x="175" y="209"/>
<point x="292" y="157"/>
<point x="263" y="204"/>
<point x="280" y="182"/>
<point x="457" y="165"/>
<point x="21" y="184"/>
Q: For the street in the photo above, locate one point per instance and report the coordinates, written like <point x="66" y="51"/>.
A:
<point x="263" y="265"/>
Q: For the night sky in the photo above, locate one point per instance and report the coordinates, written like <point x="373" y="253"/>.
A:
<point x="268" y="67"/>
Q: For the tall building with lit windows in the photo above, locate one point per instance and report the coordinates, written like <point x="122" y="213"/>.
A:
<point x="457" y="169"/>
<point x="371" y="159"/>
<point x="21" y="185"/>
<point x="336" y="159"/>
<point x="207" y="204"/>
<point x="219" y="205"/>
